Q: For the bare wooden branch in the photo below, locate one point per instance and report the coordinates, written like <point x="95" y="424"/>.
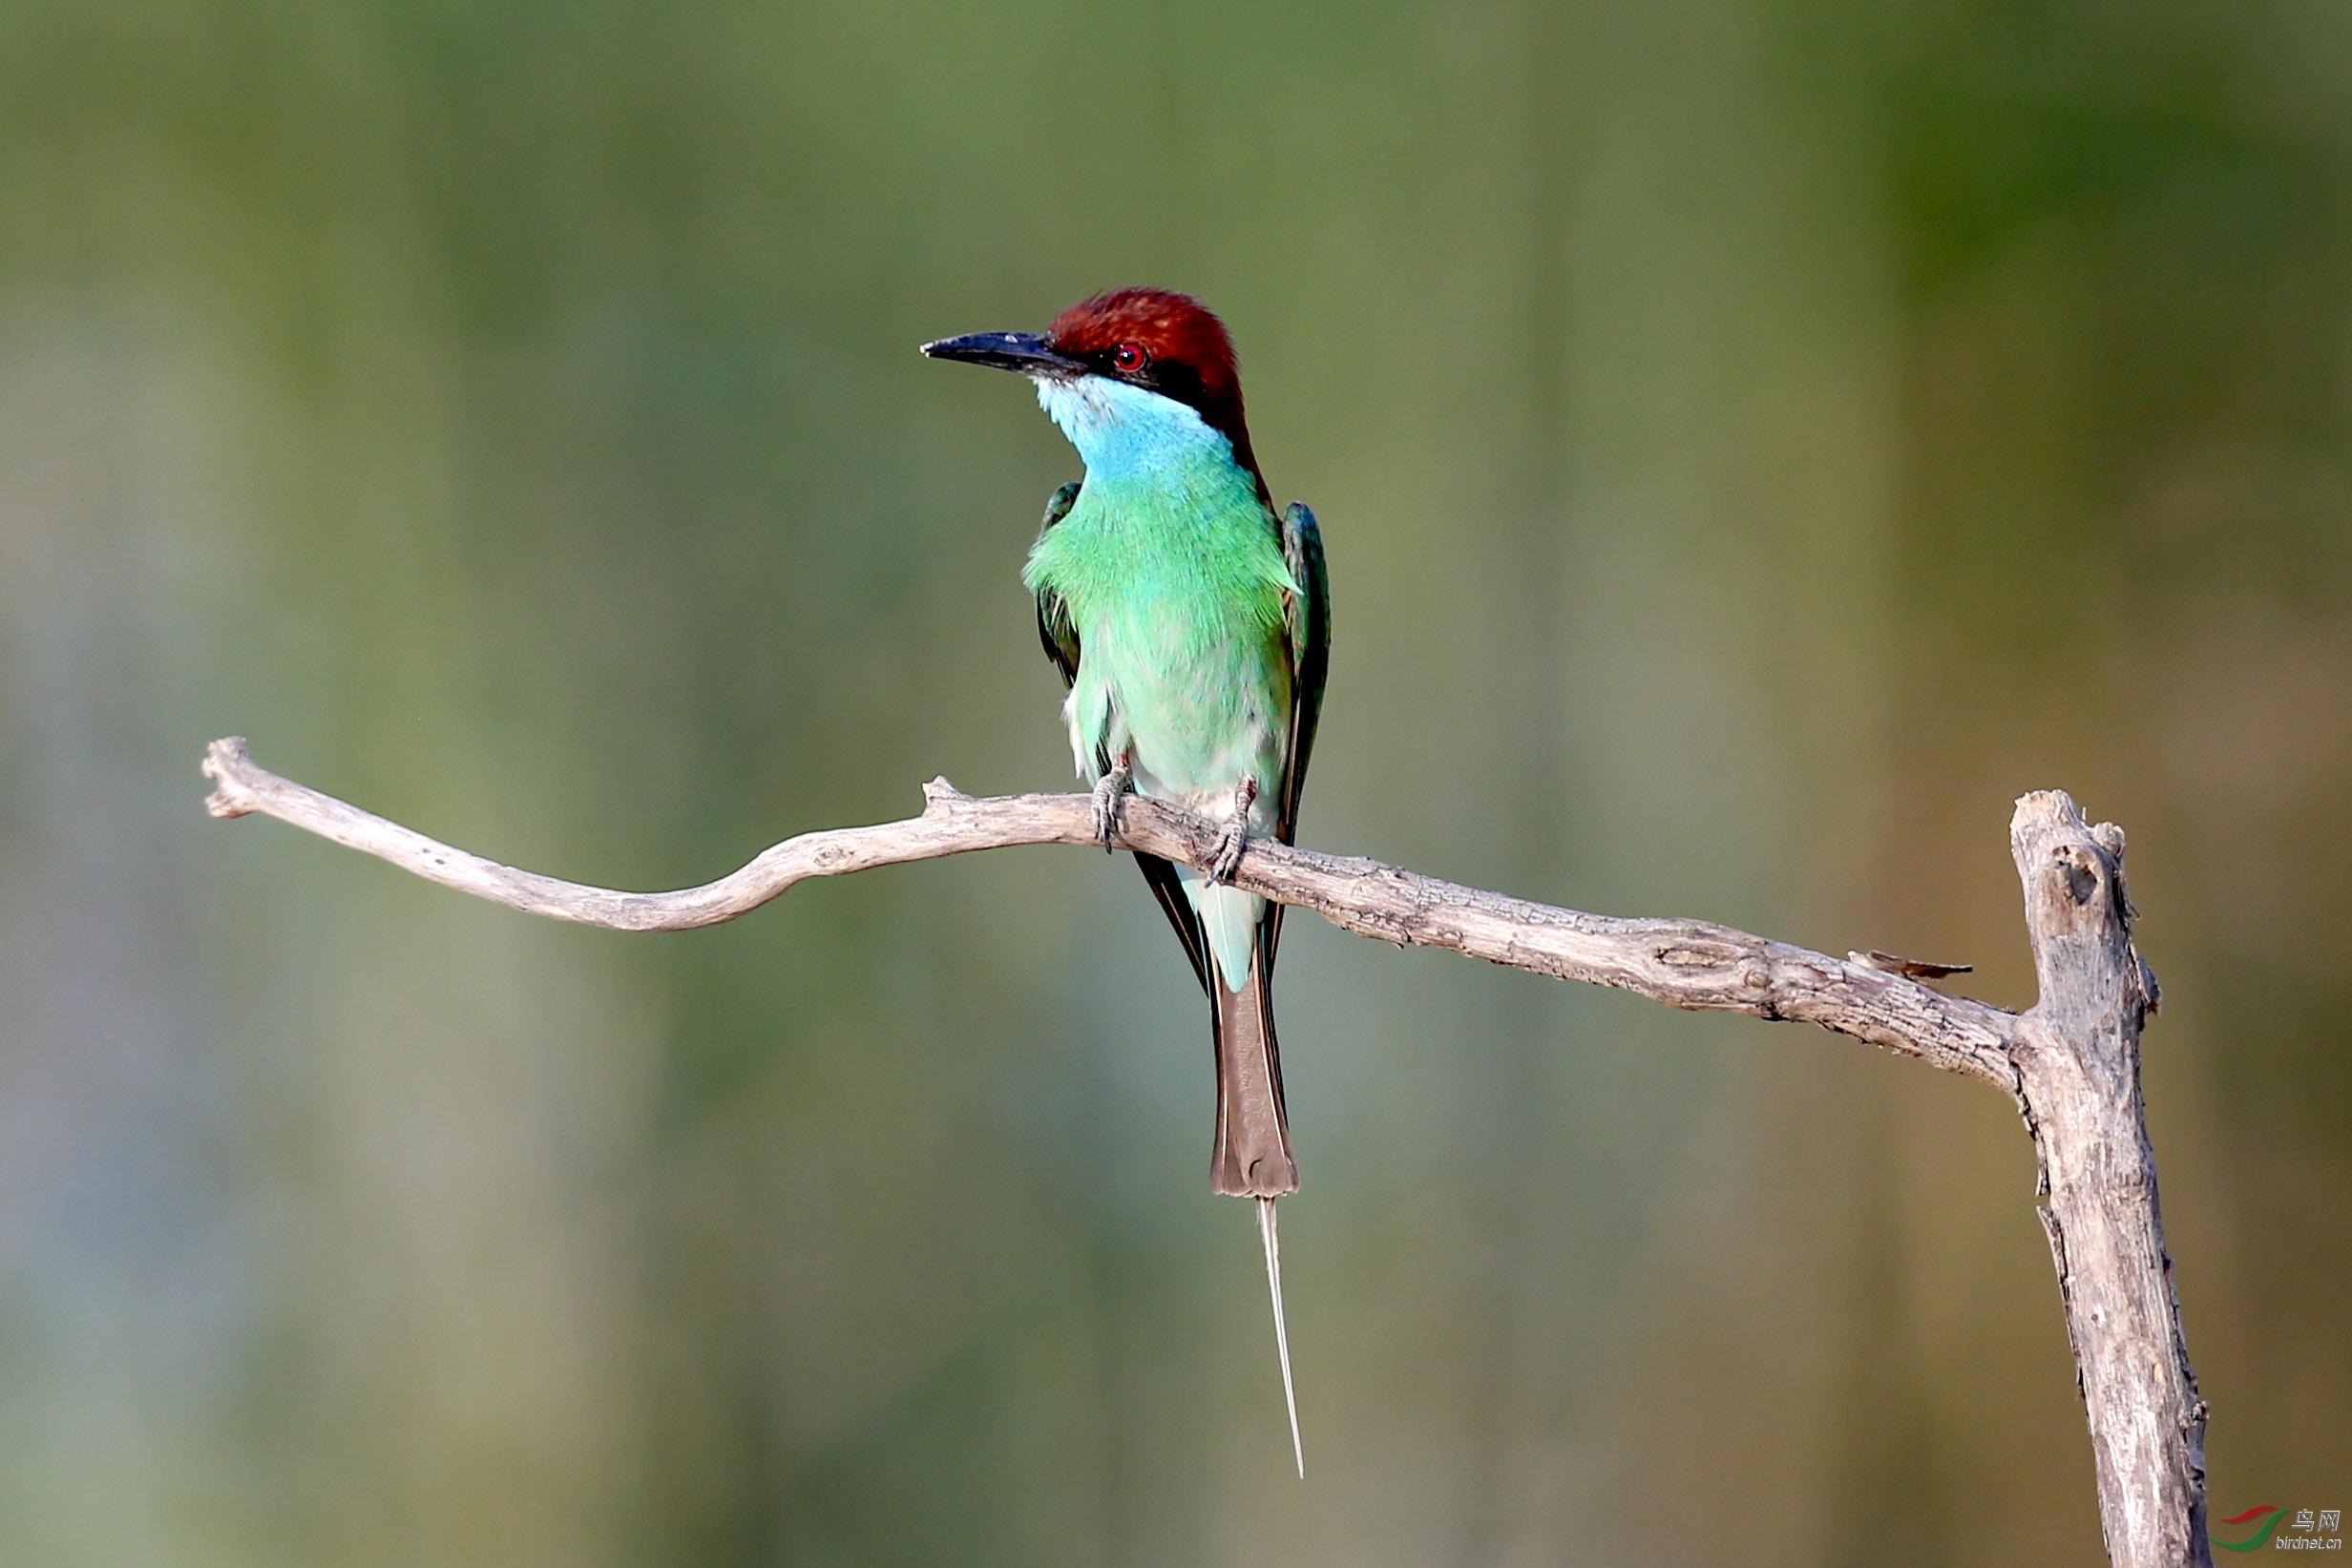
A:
<point x="2071" y="1062"/>
<point x="1681" y="962"/>
<point x="2078" y="1065"/>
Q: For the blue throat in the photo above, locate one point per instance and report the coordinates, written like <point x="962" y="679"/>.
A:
<point x="1124" y="431"/>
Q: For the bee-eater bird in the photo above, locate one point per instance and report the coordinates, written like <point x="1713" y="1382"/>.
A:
<point x="1192" y="626"/>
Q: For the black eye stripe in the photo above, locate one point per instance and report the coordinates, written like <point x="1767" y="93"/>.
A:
<point x="1169" y="378"/>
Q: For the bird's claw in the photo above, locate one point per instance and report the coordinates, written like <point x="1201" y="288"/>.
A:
<point x="1106" y="792"/>
<point x="1228" y="854"/>
<point x="1236" y="833"/>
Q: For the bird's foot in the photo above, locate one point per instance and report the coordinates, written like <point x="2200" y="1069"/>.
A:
<point x="1236" y="832"/>
<point x="1106" y="792"/>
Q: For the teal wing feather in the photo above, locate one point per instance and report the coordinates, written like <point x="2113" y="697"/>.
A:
<point x="1307" y="616"/>
<point x="1054" y="628"/>
<point x="1059" y="636"/>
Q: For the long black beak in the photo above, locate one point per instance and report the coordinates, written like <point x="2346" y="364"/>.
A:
<point x="1022" y="351"/>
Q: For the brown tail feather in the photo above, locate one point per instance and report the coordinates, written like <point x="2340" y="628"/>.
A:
<point x="1252" y="1154"/>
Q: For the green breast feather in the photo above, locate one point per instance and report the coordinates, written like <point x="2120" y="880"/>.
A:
<point x="1175" y="585"/>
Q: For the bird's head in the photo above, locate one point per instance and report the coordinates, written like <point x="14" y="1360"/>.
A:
<point x="1131" y="376"/>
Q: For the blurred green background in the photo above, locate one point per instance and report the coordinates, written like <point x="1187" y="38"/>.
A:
<point x="1755" y="441"/>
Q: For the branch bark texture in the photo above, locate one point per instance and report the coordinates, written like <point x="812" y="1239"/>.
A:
<point x="2077" y="1051"/>
<point x="2071" y="1062"/>
<point x="1681" y="962"/>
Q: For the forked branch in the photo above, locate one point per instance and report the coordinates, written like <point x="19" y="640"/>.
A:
<point x="2071" y="1062"/>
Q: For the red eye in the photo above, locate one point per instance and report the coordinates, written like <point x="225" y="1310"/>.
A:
<point x="1129" y="357"/>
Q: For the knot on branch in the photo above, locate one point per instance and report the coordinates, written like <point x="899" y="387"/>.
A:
<point x="2077" y="906"/>
<point x="1691" y="950"/>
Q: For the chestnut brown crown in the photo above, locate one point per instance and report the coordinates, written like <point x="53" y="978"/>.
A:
<point x="1167" y="342"/>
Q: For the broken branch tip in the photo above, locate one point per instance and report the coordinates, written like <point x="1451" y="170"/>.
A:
<point x="223" y="759"/>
